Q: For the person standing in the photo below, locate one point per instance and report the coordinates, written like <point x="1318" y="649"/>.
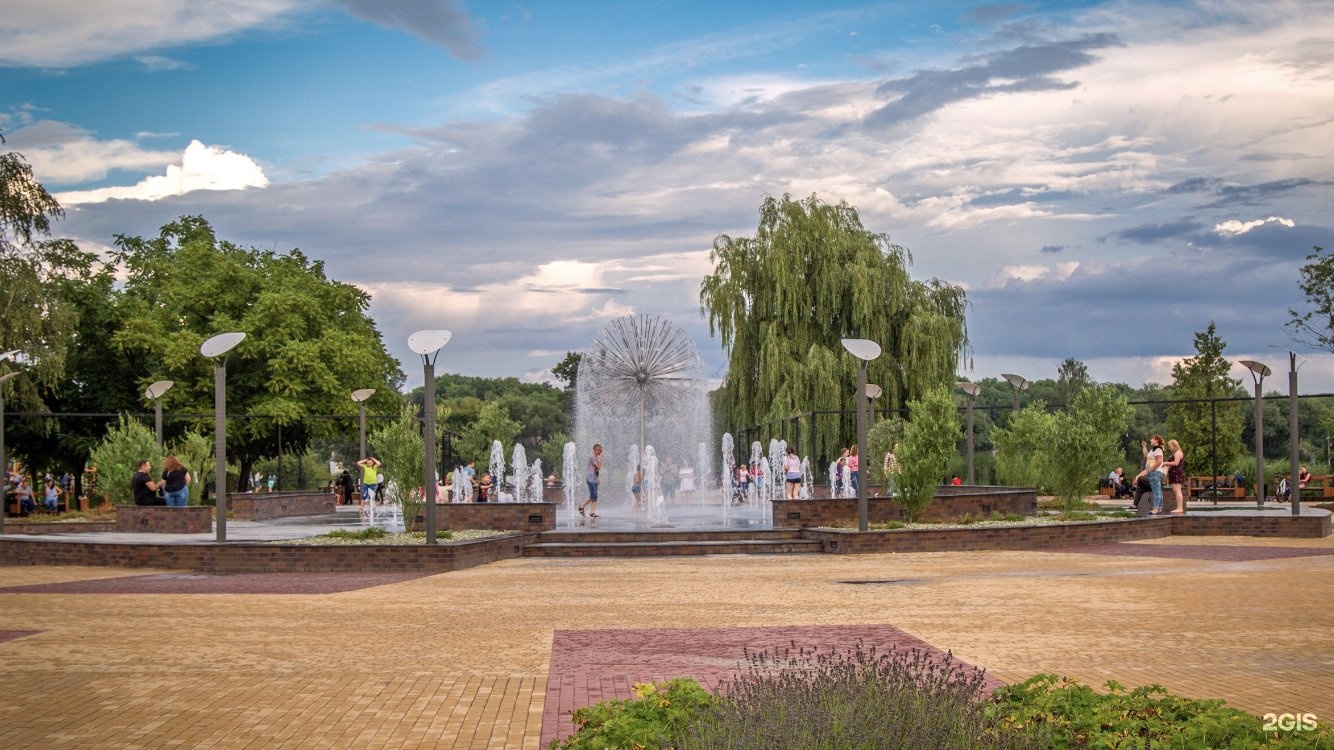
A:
<point x="854" y="468"/>
<point x="891" y="468"/>
<point x="792" y="473"/>
<point x="636" y="487"/>
<point x="175" y="482"/>
<point x="687" y="477"/>
<point x="143" y="486"/>
<point x="370" y="477"/>
<point x="1176" y="474"/>
<point x="592" y="475"/>
<point x="1154" y="471"/>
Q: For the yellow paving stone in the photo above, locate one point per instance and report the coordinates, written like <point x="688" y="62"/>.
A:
<point x="461" y="659"/>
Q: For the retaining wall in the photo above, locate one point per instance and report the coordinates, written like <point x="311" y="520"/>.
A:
<point x="950" y="502"/>
<point x="259" y="506"/>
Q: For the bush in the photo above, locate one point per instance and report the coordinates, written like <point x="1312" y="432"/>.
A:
<point x="658" y="713"/>
<point x="853" y="699"/>
<point x="117" y="458"/>
<point x="1079" y="717"/>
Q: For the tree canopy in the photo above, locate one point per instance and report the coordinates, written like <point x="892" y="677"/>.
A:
<point x="309" y="342"/>
<point x="1191" y="423"/>
<point x="1315" y="327"/>
<point x="812" y="275"/>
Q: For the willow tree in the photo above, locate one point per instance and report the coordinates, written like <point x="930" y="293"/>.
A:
<point x="812" y="275"/>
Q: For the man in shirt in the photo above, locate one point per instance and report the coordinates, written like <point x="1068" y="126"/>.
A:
<point x="143" y="486"/>
<point x="592" y="474"/>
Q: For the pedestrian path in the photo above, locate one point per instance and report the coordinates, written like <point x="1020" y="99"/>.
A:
<point x="463" y="659"/>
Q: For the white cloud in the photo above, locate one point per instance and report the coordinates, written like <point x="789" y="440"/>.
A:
<point x="1233" y="227"/>
<point x="64" y="33"/>
<point x="201" y="168"/>
<point x="63" y="154"/>
<point x="1057" y="272"/>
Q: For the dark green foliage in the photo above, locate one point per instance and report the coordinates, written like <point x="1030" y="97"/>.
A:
<point x="1145" y="717"/>
<point x="657" y="714"/>
<point x="1315" y="327"/>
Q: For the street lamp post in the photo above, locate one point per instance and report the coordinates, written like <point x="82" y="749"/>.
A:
<point x="215" y="349"/>
<point x="4" y="463"/>
<point x="1020" y="383"/>
<point x="155" y="393"/>
<point x="873" y="392"/>
<point x="972" y="390"/>
<point x="1259" y="372"/>
<point x="428" y="344"/>
<point x="360" y="396"/>
<point x="1294" y="442"/>
<point x="864" y="350"/>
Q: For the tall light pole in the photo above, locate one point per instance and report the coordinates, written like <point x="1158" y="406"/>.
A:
<point x="428" y="344"/>
<point x="155" y="393"/>
<point x="1294" y="443"/>
<point x="360" y="396"/>
<point x="972" y="389"/>
<point x="873" y="392"/>
<point x="216" y="349"/>
<point x="1020" y="383"/>
<point x="1259" y="372"/>
<point x="4" y="463"/>
<point x="864" y="350"/>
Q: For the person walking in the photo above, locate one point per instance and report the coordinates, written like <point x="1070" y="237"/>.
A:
<point x="592" y="475"/>
<point x="891" y="468"/>
<point x="175" y="482"/>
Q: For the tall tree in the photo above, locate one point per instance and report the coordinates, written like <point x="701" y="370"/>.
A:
<point x="34" y="316"/>
<point x="309" y="342"/>
<point x="812" y="275"/>
<point x="1071" y="378"/>
<point x="1315" y="327"/>
<point x="567" y="370"/>
<point x="1190" y="421"/>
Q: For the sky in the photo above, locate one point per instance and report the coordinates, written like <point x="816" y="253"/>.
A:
<point x="1103" y="178"/>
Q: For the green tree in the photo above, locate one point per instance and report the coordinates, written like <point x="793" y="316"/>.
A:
<point x="929" y="441"/>
<point x="402" y="452"/>
<point x="117" y="458"/>
<point x="1315" y="327"/>
<point x="1085" y="442"/>
<point x="1021" y="445"/>
<point x="309" y="342"/>
<point x="492" y="423"/>
<point x="567" y="370"/>
<point x="1190" y="420"/>
<point x="35" y="317"/>
<point x="1071" y="378"/>
<point x="812" y="275"/>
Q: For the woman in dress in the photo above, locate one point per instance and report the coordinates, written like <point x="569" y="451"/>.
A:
<point x="687" y="481"/>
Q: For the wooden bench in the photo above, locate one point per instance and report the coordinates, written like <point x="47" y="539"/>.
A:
<point x="1212" y="488"/>
<point x="1318" y="487"/>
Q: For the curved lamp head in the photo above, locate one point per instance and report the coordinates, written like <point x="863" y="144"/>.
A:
<point x="361" y="394"/>
<point x="874" y="391"/>
<point x="221" y="344"/>
<point x="1259" y="370"/>
<point x="11" y="354"/>
<point x="863" y="349"/>
<point x="158" y="389"/>
<point x="972" y="389"/>
<point x="428" y="342"/>
<point x="1018" y="381"/>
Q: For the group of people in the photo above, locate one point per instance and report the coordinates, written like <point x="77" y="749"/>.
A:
<point x="172" y="489"/>
<point x="19" y="488"/>
<point x="1161" y="464"/>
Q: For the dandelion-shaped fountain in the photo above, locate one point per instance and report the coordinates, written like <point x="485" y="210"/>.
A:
<point x="640" y="383"/>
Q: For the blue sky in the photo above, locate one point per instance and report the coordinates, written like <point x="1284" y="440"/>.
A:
<point x="1105" y="178"/>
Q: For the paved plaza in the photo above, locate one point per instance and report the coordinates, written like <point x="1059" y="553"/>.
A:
<point x="158" y="659"/>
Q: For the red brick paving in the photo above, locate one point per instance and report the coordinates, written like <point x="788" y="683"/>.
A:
<point x="589" y="666"/>
<point x="1217" y="553"/>
<point x="203" y="583"/>
<point x="13" y="635"/>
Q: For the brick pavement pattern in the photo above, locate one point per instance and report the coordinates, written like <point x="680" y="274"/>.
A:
<point x="462" y="659"/>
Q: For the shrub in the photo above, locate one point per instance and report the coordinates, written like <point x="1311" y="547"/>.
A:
<point x="117" y="458"/>
<point x="853" y="699"/>
<point x="658" y="713"/>
<point x="928" y="443"/>
<point x="1079" y="717"/>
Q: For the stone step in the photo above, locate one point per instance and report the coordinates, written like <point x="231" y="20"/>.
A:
<point x="655" y="548"/>
<point x="696" y="535"/>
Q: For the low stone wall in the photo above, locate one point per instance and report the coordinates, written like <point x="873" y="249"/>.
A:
<point x="267" y="558"/>
<point x="950" y="502"/>
<point x="850" y="541"/>
<point x="259" y="506"/>
<point x="59" y="528"/>
<point x="1313" y="526"/>
<point x="160" y="519"/>
<point x="531" y="517"/>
